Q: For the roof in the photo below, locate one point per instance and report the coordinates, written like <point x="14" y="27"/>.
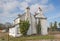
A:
<point x="27" y="8"/>
<point x="14" y="25"/>
<point x="19" y="15"/>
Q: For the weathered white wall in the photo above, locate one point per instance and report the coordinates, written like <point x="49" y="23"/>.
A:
<point x="17" y="21"/>
<point x="34" y="31"/>
<point x="32" y="28"/>
<point x="44" y="29"/>
<point x="14" y="31"/>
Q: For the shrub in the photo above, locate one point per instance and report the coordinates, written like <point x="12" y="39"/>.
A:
<point x="24" y="26"/>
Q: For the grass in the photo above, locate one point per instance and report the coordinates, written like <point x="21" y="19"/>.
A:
<point x="37" y="37"/>
<point x="33" y="37"/>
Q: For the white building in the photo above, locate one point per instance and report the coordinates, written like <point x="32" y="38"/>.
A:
<point x="33" y="20"/>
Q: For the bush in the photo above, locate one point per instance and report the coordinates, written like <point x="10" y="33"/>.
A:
<point x="24" y="26"/>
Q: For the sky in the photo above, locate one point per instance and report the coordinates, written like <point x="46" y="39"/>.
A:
<point x="9" y="9"/>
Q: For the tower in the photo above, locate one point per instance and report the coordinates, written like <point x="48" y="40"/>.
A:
<point x="27" y="17"/>
<point x="43" y="21"/>
<point x="30" y="18"/>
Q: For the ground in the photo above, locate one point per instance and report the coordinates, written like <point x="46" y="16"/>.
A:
<point x="51" y="37"/>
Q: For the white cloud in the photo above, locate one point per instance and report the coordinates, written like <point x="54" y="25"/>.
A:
<point x="23" y="5"/>
<point x="51" y="7"/>
<point x="10" y="5"/>
<point x="34" y="8"/>
<point x="44" y="1"/>
<point x="54" y="17"/>
<point x="6" y="17"/>
<point x="45" y="8"/>
<point x="7" y="7"/>
<point x="48" y="8"/>
<point x="28" y="1"/>
<point x="8" y="0"/>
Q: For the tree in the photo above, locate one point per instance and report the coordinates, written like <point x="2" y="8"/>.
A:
<point x="8" y="25"/>
<point x="2" y="26"/>
<point x="51" y="26"/>
<point x="59" y="24"/>
<point x="55" y="26"/>
<point x="24" y="26"/>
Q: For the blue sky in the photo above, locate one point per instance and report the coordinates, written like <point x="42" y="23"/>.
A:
<point x="9" y="9"/>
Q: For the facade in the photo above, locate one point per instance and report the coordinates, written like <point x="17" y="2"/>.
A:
<point x="33" y="20"/>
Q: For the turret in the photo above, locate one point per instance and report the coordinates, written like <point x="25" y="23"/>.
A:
<point x="43" y="21"/>
<point x="27" y="13"/>
<point x="39" y="10"/>
<point x="27" y="10"/>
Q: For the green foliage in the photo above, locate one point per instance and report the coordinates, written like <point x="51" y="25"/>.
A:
<point x="24" y="26"/>
<point x="39" y="27"/>
<point x="59" y="24"/>
<point x="2" y="26"/>
<point x="27" y="38"/>
<point x="53" y="26"/>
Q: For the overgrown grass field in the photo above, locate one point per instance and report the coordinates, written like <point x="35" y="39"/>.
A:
<point x="25" y="38"/>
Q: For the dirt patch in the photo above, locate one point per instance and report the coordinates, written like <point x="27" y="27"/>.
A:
<point x="57" y="36"/>
<point x="2" y="34"/>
